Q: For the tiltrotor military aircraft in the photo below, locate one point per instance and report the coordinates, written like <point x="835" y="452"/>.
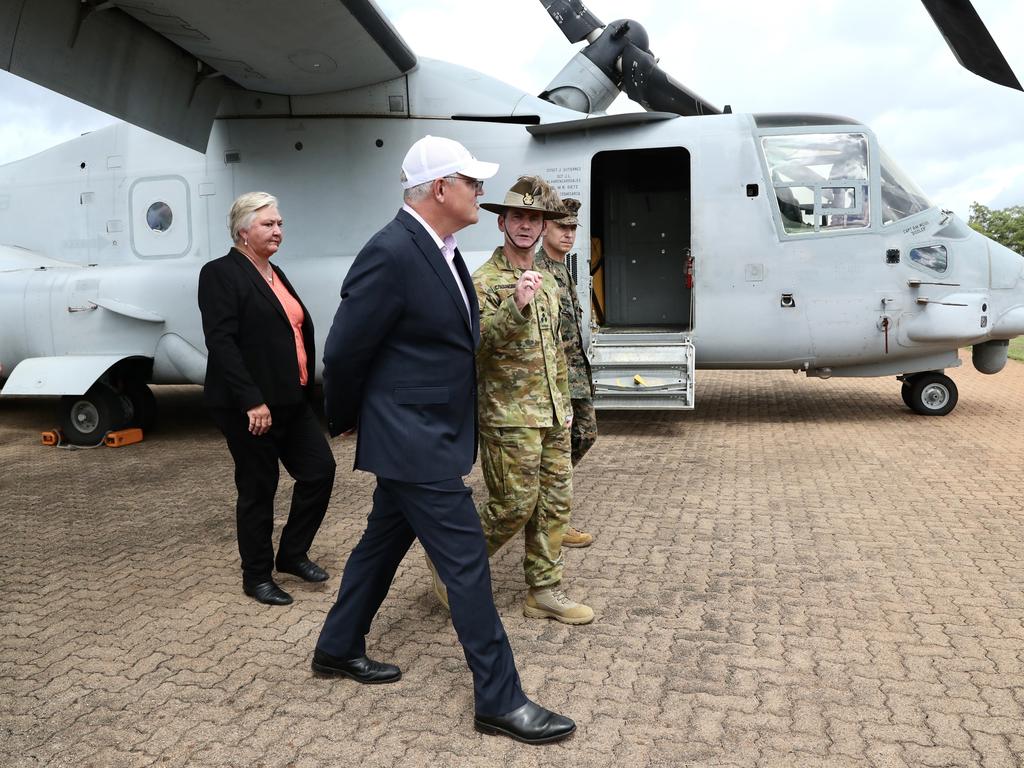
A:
<point x="708" y="239"/>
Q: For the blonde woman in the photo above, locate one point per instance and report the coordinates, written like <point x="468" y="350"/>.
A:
<point x="258" y="377"/>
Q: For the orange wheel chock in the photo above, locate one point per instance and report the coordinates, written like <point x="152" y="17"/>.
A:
<point x="123" y="437"/>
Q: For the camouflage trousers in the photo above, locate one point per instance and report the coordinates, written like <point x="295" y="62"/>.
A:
<point x="584" y="427"/>
<point x="528" y="472"/>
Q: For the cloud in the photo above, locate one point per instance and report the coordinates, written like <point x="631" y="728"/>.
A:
<point x="879" y="61"/>
<point x="35" y="119"/>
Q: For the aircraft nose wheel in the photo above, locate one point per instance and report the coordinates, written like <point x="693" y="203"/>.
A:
<point x="929" y="394"/>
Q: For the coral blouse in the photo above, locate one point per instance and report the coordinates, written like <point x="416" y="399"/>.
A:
<point x="293" y="310"/>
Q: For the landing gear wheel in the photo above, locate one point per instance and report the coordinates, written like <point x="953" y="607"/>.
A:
<point x="905" y="394"/>
<point x="931" y="394"/>
<point x="143" y="405"/>
<point x="85" y="419"/>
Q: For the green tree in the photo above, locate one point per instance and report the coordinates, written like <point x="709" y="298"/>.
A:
<point x="1004" y="225"/>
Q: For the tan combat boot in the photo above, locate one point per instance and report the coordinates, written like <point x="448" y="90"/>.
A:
<point x="552" y="603"/>
<point x="574" y="538"/>
<point x="439" y="588"/>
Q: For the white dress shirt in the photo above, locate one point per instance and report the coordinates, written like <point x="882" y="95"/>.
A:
<point x="447" y="248"/>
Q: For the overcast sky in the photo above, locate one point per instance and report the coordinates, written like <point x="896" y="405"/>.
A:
<point x="883" y="62"/>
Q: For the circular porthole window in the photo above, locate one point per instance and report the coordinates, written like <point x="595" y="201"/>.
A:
<point x="159" y="217"/>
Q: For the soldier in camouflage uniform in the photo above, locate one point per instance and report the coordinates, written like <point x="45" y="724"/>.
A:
<point x="525" y="409"/>
<point x="558" y="238"/>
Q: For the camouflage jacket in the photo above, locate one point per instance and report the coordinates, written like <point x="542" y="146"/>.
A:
<point x="521" y="371"/>
<point x="580" y="380"/>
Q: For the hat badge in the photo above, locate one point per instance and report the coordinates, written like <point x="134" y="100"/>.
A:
<point x="527" y="199"/>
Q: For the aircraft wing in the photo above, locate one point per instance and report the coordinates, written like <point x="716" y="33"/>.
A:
<point x="164" y="64"/>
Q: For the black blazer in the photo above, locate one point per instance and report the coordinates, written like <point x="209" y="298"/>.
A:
<point x="399" y="360"/>
<point x="248" y="337"/>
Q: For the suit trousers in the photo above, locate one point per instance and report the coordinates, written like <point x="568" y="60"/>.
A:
<point x="442" y="516"/>
<point x="297" y="441"/>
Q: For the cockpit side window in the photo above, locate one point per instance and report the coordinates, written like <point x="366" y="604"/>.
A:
<point x="900" y="196"/>
<point x="933" y="257"/>
<point x="820" y="180"/>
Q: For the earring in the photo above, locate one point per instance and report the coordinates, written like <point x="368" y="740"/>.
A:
<point x="245" y="241"/>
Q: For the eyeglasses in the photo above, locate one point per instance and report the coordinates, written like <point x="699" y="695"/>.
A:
<point x="477" y="184"/>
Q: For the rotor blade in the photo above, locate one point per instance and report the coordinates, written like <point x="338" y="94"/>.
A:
<point x="572" y="17"/>
<point x="654" y="89"/>
<point x="970" y="41"/>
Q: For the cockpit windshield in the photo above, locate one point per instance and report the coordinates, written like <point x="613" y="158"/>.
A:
<point x="900" y="196"/>
<point x="820" y="180"/>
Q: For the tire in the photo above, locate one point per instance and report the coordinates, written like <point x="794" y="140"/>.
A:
<point x="905" y="394"/>
<point x="85" y="419"/>
<point x="932" y="394"/>
<point x="143" y="404"/>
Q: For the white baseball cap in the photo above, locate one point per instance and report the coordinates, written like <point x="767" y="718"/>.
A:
<point x="434" y="157"/>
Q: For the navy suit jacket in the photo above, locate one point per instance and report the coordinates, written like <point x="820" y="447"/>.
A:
<point x="400" y="359"/>
<point x="250" y="342"/>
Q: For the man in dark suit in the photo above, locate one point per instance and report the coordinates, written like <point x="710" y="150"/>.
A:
<point x="399" y="366"/>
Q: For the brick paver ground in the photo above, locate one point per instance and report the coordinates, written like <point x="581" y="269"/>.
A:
<point x="798" y="573"/>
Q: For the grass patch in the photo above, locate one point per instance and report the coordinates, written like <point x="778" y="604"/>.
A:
<point x="1017" y="348"/>
<point x="1015" y="352"/>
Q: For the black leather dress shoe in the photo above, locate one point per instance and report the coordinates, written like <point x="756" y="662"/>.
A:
<point x="362" y="669"/>
<point x="305" y="569"/>
<point x="530" y="723"/>
<point x="267" y="592"/>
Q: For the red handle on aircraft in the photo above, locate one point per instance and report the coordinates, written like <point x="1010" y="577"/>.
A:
<point x="689" y="273"/>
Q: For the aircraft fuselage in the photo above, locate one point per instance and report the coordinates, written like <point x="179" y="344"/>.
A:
<point x="860" y="300"/>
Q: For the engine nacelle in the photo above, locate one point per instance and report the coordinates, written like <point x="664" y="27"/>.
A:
<point x="581" y="86"/>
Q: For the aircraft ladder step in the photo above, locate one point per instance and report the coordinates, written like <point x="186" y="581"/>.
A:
<point x="642" y="371"/>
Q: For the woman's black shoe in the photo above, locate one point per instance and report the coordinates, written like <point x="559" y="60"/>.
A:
<point x="267" y="592"/>
<point x="305" y="569"/>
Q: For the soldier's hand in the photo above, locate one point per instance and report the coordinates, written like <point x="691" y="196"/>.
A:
<point x="527" y="287"/>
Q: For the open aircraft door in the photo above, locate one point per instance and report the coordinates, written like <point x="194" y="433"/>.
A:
<point x="641" y="352"/>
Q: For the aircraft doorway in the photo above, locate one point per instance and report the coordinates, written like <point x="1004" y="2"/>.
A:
<point x="641" y="353"/>
<point x="641" y="230"/>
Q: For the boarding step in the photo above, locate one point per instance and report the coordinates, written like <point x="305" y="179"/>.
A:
<point x="642" y="371"/>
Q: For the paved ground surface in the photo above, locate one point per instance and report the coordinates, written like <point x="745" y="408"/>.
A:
<point x="798" y="573"/>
